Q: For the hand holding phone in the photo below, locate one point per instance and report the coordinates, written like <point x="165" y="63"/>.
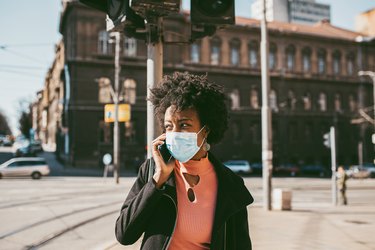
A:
<point x="165" y="153"/>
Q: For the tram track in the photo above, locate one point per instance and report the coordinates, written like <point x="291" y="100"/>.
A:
<point x="44" y="221"/>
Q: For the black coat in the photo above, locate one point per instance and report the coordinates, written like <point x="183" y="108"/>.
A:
<point x="152" y="211"/>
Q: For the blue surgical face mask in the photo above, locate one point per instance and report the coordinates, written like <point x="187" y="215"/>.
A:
<point x="183" y="145"/>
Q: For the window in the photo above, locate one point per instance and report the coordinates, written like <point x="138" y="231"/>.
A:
<point x="253" y="54"/>
<point x="322" y="101"/>
<point x="290" y="57"/>
<point x="215" y="51"/>
<point x="352" y="103"/>
<point x="291" y="100"/>
<point x="130" y="45"/>
<point x="337" y="102"/>
<point x="235" y="98"/>
<point x="306" y="59"/>
<point x="350" y="64"/>
<point x="273" y="100"/>
<point x="235" y="45"/>
<point x="195" y="53"/>
<point x="272" y="56"/>
<point x="254" y="102"/>
<point x="306" y="101"/>
<point x="336" y="62"/>
<point x="104" y="90"/>
<point x="103" y="43"/>
<point x="128" y="92"/>
<point x="321" y="61"/>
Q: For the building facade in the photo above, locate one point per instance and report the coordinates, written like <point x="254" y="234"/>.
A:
<point x="293" y="11"/>
<point x="314" y="85"/>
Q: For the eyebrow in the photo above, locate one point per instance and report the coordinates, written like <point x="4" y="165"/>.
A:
<point x="180" y="120"/>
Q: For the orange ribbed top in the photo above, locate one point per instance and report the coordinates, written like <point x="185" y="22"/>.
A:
<point x="194" y="219"/>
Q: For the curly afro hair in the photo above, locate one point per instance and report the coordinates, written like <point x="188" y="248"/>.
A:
<point x="185" y="90"/>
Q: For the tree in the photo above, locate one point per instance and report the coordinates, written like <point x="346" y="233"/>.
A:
<point x="25" y="120"/>
<point x="25" y="124"/>
<point x="4" y="126"/>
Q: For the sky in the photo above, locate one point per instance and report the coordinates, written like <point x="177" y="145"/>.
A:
<point x="29" y="32"/>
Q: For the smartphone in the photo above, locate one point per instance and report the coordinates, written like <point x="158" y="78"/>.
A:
<point x="165" y="153"/>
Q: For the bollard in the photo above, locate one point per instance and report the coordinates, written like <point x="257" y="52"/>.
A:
<point x="282" y="199"/>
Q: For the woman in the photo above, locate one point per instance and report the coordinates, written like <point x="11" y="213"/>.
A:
<point x="191" y="200"/>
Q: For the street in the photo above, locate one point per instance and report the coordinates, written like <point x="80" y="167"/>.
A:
<point x="80" y="212"/>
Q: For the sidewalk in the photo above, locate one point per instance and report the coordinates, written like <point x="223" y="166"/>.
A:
<point x="326" y="228"/>
<point x="58" y="169"/>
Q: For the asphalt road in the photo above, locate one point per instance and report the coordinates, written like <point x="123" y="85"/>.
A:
<point x="80" y="212"/>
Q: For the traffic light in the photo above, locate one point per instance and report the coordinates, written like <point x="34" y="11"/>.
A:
<point x="212" y="12"/>
<point x="120" y="16"/>
<point x="327" y="140"/>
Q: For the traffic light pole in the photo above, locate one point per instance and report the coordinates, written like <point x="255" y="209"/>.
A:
<point x="154" y="74"/>
<point x="266" y="117"/>
<point x="116" y="131"/>
<point x="332" y="139"/>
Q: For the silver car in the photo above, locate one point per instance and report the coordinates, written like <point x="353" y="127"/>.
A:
<point x="239" y="166"/>
<point x="35" y="167"/>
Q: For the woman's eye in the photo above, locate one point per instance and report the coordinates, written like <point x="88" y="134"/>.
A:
<point x="184" y="125"/>
<point x="167" y="127"/>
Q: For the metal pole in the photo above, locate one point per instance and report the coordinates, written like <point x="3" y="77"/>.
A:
<point x="154" y="75"/>
<point x="332" y="134"/>
<point x="371" y="74"/>
<point x="116" y="131"/>
<point x="266" y="117"/>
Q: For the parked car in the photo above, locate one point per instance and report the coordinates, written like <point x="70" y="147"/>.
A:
<point x="371" y="168"/>
<point x="24" y="147"/>
<point x="314" y="170"/>
<point x="239" y="166"/>
<point x="6" y="141"/>
<point x="287" y="169"/>
<point x="35" y="167"/>
<point x="358" y="172"/>
<point x="257" y="168"/>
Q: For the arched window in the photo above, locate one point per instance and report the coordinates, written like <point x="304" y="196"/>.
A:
<point x="130" y="47"/>
<point x="290" y="57"/>
<point x="253" y="54"/>
<point x="104" y="90"/>
<point x="292" y="101"/>
<point x="322" y="101"/>
<point x="235" y="98"/>
<point x="272" y="56"/>
<point x="350" y="63"/>
<point x="128" y="92"/>
<point x="254" y="101"/>
<point x="307" y="101"/>
<point x="195" y="53"/>
<point x="104" y="47"/>
<point x="306" y="59"/>
<point x="336" y="63"/>
<point x="235" y="45"/>
<point x="337" y="102"/>
<point x="215" y="51"/>
<point x="273" y="100"/>
<point x="321" y="61"/>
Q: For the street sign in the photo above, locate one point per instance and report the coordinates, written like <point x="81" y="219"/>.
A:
<point x="123" y="114"/>
<point x="107" y="159"/>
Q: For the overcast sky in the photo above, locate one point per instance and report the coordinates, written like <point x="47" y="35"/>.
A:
<point x="29" y="31"/>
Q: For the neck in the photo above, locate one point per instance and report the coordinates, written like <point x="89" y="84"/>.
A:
<point x="201" y="153"/>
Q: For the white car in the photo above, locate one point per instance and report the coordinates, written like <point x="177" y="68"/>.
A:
<point x="239" y="166"/>
<point x="35" y="167"/>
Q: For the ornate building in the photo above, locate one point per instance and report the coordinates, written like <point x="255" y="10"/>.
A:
<point x="314" y="85"/>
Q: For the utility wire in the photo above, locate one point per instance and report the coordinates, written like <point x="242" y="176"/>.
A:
<point x="4" y="48"/>
<point x="21" y="67"/>
<point x="20" y="73"/>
